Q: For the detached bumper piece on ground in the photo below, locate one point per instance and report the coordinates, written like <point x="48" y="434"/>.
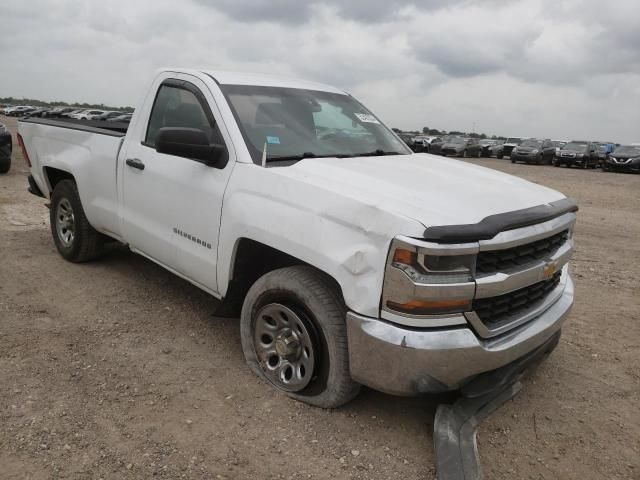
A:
<point x="454" y="429"/>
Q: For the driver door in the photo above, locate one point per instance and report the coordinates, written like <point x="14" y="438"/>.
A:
<point x="172" y="205"/>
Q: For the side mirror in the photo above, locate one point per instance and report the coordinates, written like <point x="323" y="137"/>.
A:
<point x="191" y="143"/>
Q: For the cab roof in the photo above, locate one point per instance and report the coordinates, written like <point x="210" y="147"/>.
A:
<point x="225" y="77"/>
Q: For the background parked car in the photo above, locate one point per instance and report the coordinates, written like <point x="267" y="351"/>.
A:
<point x="18" y="111"/>
<point x="578" y="153"/>
<point x="6" y="146"/>
<point x="558" y="144"/>
<point x="71" y="114"/>
<point x="461" y="147"/>
<point x="625" y="158"/>
<point x="57" y="112"/>
<point x="87" y="114"/>
<point x="534" y="150"/>
<point x="485" y="146"/>
<point x="125" y="118"/>
<point x="36" y="112"/>
<point x="106" y="116"/>
<point x="435" y="147"/>
<point x="509" y="145"/>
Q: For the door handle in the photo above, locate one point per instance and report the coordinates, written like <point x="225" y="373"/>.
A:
<point x="135" y="163"/>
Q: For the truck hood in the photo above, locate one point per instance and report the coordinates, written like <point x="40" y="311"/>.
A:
<point x="427" y="188"/>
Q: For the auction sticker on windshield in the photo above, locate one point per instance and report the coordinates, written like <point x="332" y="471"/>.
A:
<point x="366" y="118"/>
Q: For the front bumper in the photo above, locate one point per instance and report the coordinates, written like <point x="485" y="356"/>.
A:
<point x="524" y="157"/>
<point x="405" y="361"/>
<point x="623" y="167"/>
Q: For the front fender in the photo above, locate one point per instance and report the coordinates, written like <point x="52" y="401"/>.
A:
<point x="335" y="233"/>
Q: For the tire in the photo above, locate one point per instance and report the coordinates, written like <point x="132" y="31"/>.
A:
<point x="479" y="154"/>
<point x="5" y="164"/>
<point x="318" y="324"/>
<point x="512" y="160"/>
<point x="500" y="156"/>
<point x="464" y="154"/>
<point x="76" y="240"/>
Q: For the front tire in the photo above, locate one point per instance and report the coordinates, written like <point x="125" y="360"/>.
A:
<point x="76" y="240"/>
<point x="294" y="336"/>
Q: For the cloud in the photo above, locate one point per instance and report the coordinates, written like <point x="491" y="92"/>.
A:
<point x="556" y="68"/>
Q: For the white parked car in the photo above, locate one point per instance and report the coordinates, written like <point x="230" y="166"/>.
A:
<point x="349" y="259"/>
<point x="87" y="114"/>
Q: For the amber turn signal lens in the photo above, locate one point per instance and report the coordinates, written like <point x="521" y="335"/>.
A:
<point x="426" y="307"/>
<point x="405" y="257"/>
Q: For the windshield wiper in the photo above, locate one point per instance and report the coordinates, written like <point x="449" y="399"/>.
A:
<point x="376" y="153"/>
<point x="297" y="157"/>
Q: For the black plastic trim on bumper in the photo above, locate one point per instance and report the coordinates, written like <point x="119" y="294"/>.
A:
<point x="454" y="427"/>
<point x="490" y="226"/>
<point x="33" y="187"/>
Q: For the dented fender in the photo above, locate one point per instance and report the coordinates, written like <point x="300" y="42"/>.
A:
<point x="321" y="225"/>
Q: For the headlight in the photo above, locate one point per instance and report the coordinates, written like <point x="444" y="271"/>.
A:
<point x="419" y="283"/>
<point x="612" y="158"/>
<point x="534" y="151"/>
<point x="424" y="268"/>
<point x="579" y="155"/>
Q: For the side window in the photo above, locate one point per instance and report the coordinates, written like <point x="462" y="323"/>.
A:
<point x="178" y="107"/>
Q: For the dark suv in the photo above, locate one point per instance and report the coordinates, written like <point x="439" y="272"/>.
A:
<point x="578" y="153"/>
<point x="6" y="145"/>
<point x="462" y="147"/>
<point x="534" y="151"/>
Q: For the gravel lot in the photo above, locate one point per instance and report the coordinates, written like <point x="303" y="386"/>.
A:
<point x="118" y="369"/>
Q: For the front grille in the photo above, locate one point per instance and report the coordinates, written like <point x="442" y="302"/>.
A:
<point x="501" y="260"/>
<point x="494" y="310"/>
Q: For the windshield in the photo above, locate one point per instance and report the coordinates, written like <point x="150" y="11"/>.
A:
<point x="627" y="150"/>
<point x="531" y="143"/>
<point x="456" y="140"/>
<point x="579" y="147"/>
<point x="515" y="140"/>
<point x="291" y="123"/>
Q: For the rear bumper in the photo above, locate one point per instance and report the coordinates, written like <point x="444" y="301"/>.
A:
<point x="405" y="361"/>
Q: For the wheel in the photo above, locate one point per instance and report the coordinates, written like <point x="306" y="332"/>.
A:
<point x="512" y="160"/>
<point x="294" y="336"/>
<point x="5" y="163"/>
<point x="500" y="156"/>
<point x="464" y="154"/>
<point x="479" y="154"/>
<point x="585" y="165"/>
<point x="75" y="238"/>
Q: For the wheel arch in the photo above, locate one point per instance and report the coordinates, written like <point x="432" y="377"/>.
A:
<point x="54" y="176"/>
<point x="251" y="260"/>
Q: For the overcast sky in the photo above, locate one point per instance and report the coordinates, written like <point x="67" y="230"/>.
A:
<point x="547" y="68"/>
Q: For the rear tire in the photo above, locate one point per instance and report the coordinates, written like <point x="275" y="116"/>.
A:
<point x="308" y="306"/>
<point x="499" y="156"/>
<point x="76" y="240"/>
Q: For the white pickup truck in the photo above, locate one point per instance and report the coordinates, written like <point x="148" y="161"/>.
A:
<point x="349" y="259"/>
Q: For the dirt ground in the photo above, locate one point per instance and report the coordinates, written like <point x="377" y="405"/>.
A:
<point x="118" y="369"/>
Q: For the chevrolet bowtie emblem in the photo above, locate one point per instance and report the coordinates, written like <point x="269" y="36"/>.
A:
<point x="550" y="270"/>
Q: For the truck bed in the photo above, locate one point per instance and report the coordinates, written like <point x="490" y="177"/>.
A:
<point x="114" y="129"/>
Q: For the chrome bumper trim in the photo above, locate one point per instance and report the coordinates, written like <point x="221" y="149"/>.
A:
<point x="402" y="361"/>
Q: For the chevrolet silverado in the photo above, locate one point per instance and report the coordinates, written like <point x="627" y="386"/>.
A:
<point x="349" y="259"/>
